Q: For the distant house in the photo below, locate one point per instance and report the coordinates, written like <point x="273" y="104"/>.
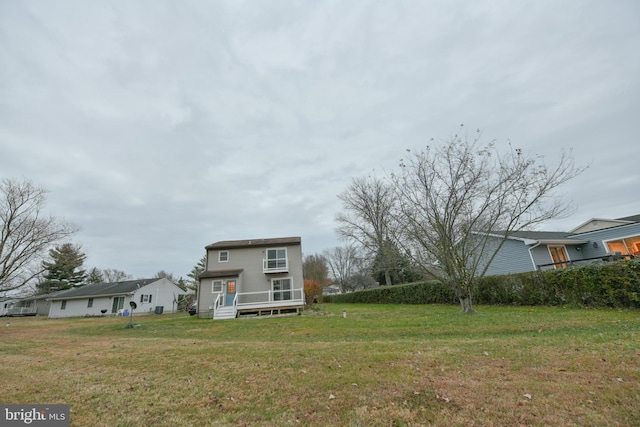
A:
<point x="596" y="240"/>
<point x="251" y="277"/>
<point x="149" y="295"/>
<point x="5" y="305"/>
<point x="331" y="290"/>
<point x="35" y="305"/>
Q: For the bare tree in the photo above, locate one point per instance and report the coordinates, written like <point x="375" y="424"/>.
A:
<point x="112" y="275"/>
<point x="368" y="204"/>
<point x="348" y="269"/>
<point x="164" y="275"/>
<point x="26" y="234"/>
<point x="314" y="267"/>
<point x="453" y="197"/>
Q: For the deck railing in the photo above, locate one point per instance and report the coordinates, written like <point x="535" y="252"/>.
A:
<point x="275" y="265"/>
<point x="270" y="298"/>
<point x="21" y="311"/>
<point x="572" y="263"/>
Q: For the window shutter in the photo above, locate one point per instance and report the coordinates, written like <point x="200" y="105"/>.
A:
<point x="150" y="295"/>
<point x="141" y="296"/>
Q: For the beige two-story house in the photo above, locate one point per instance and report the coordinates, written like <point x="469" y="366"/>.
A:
<point x="258" y="276"/>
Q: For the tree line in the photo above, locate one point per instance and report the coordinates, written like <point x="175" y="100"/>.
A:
<point x="444" y="213"/>
<point x="35" y="253"/>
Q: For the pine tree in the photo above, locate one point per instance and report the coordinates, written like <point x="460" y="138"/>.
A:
<point x="64" y="270"/>
<point x="195" y="273"/>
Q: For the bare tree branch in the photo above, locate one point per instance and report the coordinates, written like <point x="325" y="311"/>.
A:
<point x="25" y="234"/>
<point x="452" y="198"/>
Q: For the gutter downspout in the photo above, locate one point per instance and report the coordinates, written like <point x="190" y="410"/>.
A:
<point x="531" y="255"/>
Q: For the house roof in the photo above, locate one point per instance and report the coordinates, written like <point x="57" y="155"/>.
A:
<point x="104" y="289"/>
<point x="605" y="223"/>
<point x="540" y="235"/>
<point x="632" y="218"/>
<point x="212" y="274"/>
<point x="41" y="296"/>
<point x="236" y="244"/>
<point x="543" y="237"/>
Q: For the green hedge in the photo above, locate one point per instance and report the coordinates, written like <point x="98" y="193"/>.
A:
<point x="610" y="284"/>
<point x="430" y="292"/>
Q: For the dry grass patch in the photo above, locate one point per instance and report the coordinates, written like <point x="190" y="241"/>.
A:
<point x="381" y="366"/>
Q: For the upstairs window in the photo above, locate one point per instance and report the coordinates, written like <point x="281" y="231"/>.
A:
<point x="276" y="258"/>
<point x="223" y="256"/>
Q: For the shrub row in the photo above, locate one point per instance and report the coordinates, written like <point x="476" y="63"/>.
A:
<point x="611" y="284"/>
<point x="429" y="292"/>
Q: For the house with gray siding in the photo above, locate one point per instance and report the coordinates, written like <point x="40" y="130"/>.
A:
<point x="156" y="295"/>
<point x="596" y="240"/>
<point x="257" y="276"/>
<point x="35" y="305"/>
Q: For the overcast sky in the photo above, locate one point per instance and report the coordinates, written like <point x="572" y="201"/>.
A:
<point x="159" y="127"/>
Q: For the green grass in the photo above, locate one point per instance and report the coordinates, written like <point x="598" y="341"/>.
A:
<point x="382" y="365"/>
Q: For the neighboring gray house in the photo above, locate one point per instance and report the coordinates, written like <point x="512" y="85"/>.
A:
<point x="150" y="295"/>
<point x="251" y="277"/>
<point x="35" y="305"/>
<point x="593" y="241"/>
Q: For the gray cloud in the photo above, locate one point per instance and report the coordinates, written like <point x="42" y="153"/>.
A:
<point x="161" y="127"/>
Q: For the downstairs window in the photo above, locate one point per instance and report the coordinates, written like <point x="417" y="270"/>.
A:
<point x="281" y="289"/>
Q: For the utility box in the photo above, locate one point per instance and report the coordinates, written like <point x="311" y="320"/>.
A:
<point x="159" y="309"/>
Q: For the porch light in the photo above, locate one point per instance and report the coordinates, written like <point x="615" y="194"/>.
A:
<point x="595" y="245"/>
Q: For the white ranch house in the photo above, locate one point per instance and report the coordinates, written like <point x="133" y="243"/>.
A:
<point x="100" y="299"/>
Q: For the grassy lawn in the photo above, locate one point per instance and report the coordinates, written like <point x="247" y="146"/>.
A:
<point x="382" y="365"/>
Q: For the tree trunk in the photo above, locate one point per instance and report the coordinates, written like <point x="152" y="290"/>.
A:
<point x="387" y="278"/>
<point x="465" y="303"/>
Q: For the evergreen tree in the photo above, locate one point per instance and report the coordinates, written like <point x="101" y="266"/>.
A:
<point x="393" y="264"/>
<point x="64" y="270"/>
<point x="195" y="273"/>
<point x="94" y="276"/>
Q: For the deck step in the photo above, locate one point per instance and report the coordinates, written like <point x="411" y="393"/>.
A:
<point x="225" y="313"/>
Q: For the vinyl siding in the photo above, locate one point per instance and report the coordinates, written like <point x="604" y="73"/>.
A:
<point x="513" y="257"/>
<point x="601" y="236"/>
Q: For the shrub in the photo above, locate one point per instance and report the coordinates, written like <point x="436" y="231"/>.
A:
<point x="429" y="292"/>
<point x="610" y="284"/>
<point x="312" y="292"/>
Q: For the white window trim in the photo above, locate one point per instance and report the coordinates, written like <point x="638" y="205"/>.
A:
<point x="286" y="256"/>
<point x="220" y="256"/>
<point x="213" y="286"/>
<point x="566" y="253"/>
<point x="290" y="278"/>
<point x="618" y="239"/>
